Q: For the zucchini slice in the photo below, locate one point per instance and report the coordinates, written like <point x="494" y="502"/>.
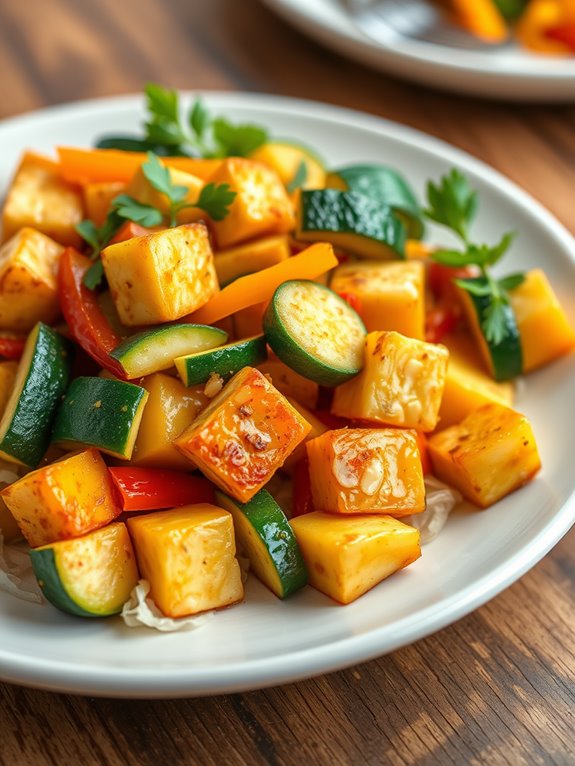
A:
<point x="226" y="360"/>
<point x="42" y="378"/>
<point x="385" y="185"/>
<point x="264" y="535"/>
<point x="101" y="413"/>
<point x="89" y="576"/>
<point x="315" y="332"/>
<point x="156" y="349"/>
<point x="352" y="221"/>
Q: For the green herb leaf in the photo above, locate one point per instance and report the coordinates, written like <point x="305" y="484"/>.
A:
<point x="159" y="176"/>
<point x="164" y="133"/>
<point x="511" y="282"/>
<point x="454" y="258"/>
<point x="494" y="321"/>
<point x="216" y="200"/>
<point x="452" y="203"/>
<point x="299" y="179"/>
<point x="90" y="233"/>
<point x="237" y="140"/>
<point x="93" y="277"/>
<point x="162" y="102"/>
<point x="199" y="119"/>
<point x="132" y="210"/>
<point x="478" y="286"/>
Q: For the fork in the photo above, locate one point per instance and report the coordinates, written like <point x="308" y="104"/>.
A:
<point x="386" y="21"/>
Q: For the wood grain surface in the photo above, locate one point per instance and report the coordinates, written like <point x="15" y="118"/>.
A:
<point x="498" y="687"/>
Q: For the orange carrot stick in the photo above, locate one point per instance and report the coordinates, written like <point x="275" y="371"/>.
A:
<point x="259" y="287"/>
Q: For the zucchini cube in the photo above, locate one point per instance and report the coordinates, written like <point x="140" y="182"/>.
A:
<point x="401" y="383"/>
<point x="188" y="557"/>
<point x="486" y="456"/>
<point x="244" y="435"/>
<point x="63" y="500"/>
<point x="142" y="190"/>
<point x="161" y="276"/>
<point x="28" y="280"/>
<point x="387" y="296"/>
<point x="39" y="198"/>
<point x="366" y="470"/>
<point x="347" y="555"/>
<point x="261" y="206"/>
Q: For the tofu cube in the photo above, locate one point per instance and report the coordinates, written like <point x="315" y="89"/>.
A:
<point x="367" y="470"/>
<point x="261" y="206"/>
<point x="347" y="555"/>
<point x="162" y="276"/>
<point x="64" y="500"/>
<point x="142" y="190"/>
<point x="401" y="383"/>
<point x="39" y="198"/>
<point x="244" y="435"/>
<point x="387" y="296"/>
<point x="28" y="280"/>
<point x="486" y="456"/>
<point x="188" y="557"/>
<point x="98" y="199"/>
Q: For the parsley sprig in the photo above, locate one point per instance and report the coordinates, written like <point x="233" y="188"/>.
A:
<point x="453" y="204"/>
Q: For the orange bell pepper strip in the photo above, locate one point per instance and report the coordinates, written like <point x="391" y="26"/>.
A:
<point x="481" y="18"/>
<point x="83" y="166"/>
<point x="259" y="287"/>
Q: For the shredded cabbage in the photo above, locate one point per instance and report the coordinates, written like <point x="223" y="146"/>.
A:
<point x="140" y="611"/>
<point x="440" y="501"/>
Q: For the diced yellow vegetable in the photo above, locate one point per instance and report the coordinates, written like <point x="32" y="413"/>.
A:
<point x="317" y="429"/>
<point x="7" y="377"/>
<point x="401" y="383"/>
<point x="142" y="190"/>
<point x="98" y="199"/>
<point x="544" y="329"/>
<point x="188" y="557"/>
<point x="28" y="286"/>
<point x="387" y="296"/>
<point x="244" y="435"/>
<point x="486" y="456"/>
<point x="467" y="385"/>
<point x="366" y="470"/>
<point x="261" y="206"/>
<point x="9" y="529"/>
<point x="347" y="555"/>
<point x="162" y="276"/>
<point x="291" y="383"/>
<point x="286" y="160"/>
<point x="39" y="198"/>
<point x="249" y="321"/>
<point x="170" y="409"/>
<point x="252" y="256"/>
<point x="63" y="500"/>
<point x="416" y="250"/>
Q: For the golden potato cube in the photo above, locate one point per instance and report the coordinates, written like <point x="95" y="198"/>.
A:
<point x="170" y="409"/>
<point x="543" y="326"/>
<point x="290" y="383"/>
<point x="401" y="383"/>
<point x="347" y="555"/>
<point x="7" y="377"/>
<point x="366" y="470"/>
<point x="387" y="296"/>
<point x="63" y="500"/>
<point x="467" y="385"/>
<point x="486" y="456"/>
<point x="244" y="435"/>
<point x="261" y="206"/>
<point x="252" y="256"/>
<point x="188" y="557"/>
<point x="98" y="199"/>
<point x="39" y="198"/>
<point x="142" y="190"/>
<point x="28" y="280"/>
<point x="161" y="276"/>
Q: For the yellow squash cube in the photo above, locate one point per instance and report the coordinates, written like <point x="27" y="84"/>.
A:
<point x="162" y="276"/>
<point x="286" y="160"/>
<point x="261" y="206"/>
<point x="98" y="199"/>
<point x="244" y="435"/>
<point x="188" y="557"/>
<point x="252" y="256"/>
<point x="347" y="555"/>
<point x="290" y="383"/>
<point x="170" y="409"/>
<point x="486" y="456"/>
<point x="39" y="198"/>
<point x="387" y="296"/>
<point x="142" y="190"/>
<point x="366" y="470"/>
<point x="63" y="500"/>
<point x="401" y="383"/>
<point x="28" y="280"/>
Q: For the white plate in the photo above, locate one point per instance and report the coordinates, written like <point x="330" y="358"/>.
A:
<point x="512" y="73"/>
<point x="266" y="641"/>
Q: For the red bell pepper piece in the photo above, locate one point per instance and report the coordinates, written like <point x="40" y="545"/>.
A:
<point x="129" y="230"/>
<point x="302" y="500"/>
<point x="440" y="279"/>
<point x="352" y="300"/>
<point x="88" y="325"/>
<point x="152" y="489"/>
<point x="564" y="34"/>
<point x="439" y="321"/>
<point x="12" y="346"/>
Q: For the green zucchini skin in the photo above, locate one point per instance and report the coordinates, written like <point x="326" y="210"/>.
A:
<point x="156" y="349"/>
<point x="291" y="348"/>
<point x="224" y="360"/>
<point x="386" y="185"/>
<point x="269" y="530"/>
<point x="42" y="378"/>
<point x="332" y="214"/>
<point x="46" y="571"/>
<point x="101" y="413"/>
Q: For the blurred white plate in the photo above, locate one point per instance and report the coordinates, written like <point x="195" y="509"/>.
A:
<point x="511" y="73"/>
<point x="266" y="641"/>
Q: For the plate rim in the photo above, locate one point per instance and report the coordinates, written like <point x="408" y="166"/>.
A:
<point x="290" y="667"/>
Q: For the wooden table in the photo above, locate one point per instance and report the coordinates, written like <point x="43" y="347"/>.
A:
<point x="498" y="687"/>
